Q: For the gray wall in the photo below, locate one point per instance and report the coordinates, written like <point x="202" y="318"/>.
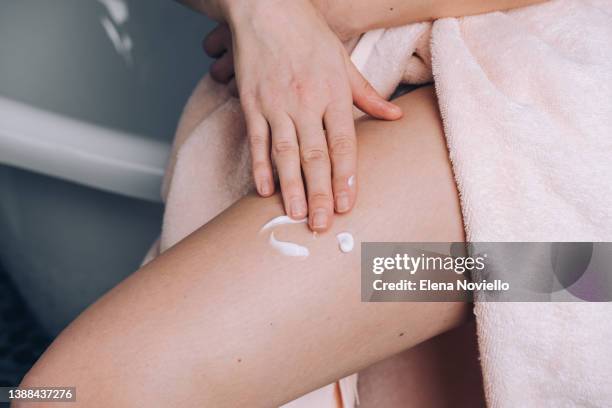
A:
<point x="56" y="55"/>
<point x="65" y="245"/>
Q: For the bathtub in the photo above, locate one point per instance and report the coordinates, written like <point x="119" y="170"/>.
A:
<point x="90" y="93"/>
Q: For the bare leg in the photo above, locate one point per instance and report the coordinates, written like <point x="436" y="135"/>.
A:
<point x="441" y="372"/>
<point x="222" y="320"/>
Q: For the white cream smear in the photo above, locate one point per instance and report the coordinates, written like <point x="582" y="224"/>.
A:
<point x="345" y="241"/>
<point x="284" y="247"/>
<point x="351" y="181"/>
<point x="288" y="248"/>
<point x="281" y="220"/>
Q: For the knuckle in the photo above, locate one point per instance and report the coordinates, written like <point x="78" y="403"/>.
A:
<point x="298" y="85"/>
<point x="271" y="98"/>
<point x="258" y="141"/>
<point x="319" y="197"/>
<point x="314" y="155"/>
<point x="302" y="86"/>
<point x="342" y="146"/>
<point x="284" y="147"/>
<point x="308" y="94"/>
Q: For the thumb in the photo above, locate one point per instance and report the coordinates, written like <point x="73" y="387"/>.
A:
<point x="366" y="98"/>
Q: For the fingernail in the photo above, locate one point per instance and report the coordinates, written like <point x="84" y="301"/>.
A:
<point x="264" y="187"/>
<point x="319" y="219"/>
<point x="298" y="208"/>
<point x="389" y="107"/>
<point x="396" y="109"/>
<point x="342" y="202"/>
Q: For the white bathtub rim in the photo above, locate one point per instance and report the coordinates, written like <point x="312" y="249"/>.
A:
<point x="99" y="157"/>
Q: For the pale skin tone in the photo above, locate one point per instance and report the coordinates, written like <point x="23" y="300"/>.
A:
<point x="222" y="319"/>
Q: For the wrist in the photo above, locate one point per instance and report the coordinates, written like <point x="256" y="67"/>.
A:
<point x="210" y="8"/>
<point x="238" y="11"/>
<point x="227" y="7"/>
<point x="340" y="18"/>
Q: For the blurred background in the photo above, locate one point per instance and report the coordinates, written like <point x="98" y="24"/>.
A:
<point x="90" y="95"/>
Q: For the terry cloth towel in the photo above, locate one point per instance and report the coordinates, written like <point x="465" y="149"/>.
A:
<point x="526" y="101"/>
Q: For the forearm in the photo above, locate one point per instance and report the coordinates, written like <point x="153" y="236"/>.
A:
<point x="353" y="17"/>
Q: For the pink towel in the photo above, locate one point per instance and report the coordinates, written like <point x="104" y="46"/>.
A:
<point x="526" y="102"/>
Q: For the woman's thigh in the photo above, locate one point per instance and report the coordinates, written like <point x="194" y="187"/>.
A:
<point x="223" y="320"/>
<point x="441" y="372"/>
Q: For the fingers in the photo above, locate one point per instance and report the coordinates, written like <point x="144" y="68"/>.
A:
<point x="233" y="88"/>
<point x="342" y="143"/>
<point x="286" y="156"/>
<point x="222" y="70"/>
<point x="217" y="41"/>
<point x="316" y="165"/>
<point x="218" y="44"/>
<point x="259" y="140"/>
<point x="367" y="99"/>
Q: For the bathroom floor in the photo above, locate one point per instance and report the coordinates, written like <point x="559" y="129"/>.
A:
<point x="22" y="340"/>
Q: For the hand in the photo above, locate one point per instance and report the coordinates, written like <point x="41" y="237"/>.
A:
<point x="297" y="86"/>
<point x="218" y="45"/>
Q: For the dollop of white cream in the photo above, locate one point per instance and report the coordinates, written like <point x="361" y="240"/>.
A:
<point x="281" y="220"/>
<point x="345" y="241"/>
<point x="288" y="248"/>
<point x="351" y="181"/>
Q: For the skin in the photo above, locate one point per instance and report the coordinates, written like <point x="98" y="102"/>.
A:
<point x="290" y="94"/>
<point x="201" y="326"/>
<point x="351" y="18"/>
<point x="441" y="372"/>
